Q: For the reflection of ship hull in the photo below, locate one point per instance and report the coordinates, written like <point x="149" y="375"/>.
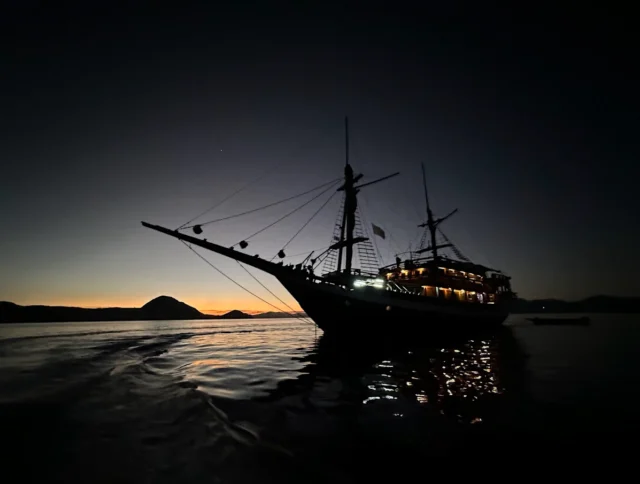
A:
<point x="371" y="311"/>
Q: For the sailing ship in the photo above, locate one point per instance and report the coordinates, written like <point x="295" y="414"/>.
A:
<point x="424" y="293"/>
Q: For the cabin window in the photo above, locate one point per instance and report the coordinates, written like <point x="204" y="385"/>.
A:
<point x="429" y="291"/>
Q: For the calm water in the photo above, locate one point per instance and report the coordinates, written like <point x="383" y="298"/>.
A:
<point x="272" y="401"/>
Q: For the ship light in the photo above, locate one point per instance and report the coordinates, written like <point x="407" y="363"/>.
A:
<point x="377" y="283"/>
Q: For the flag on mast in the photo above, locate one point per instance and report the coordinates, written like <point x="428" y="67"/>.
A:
<point x="378" y="231"/>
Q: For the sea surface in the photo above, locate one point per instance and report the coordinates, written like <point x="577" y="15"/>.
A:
<point x="237" y="401"/>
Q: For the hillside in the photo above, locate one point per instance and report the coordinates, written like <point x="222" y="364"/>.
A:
<point x="160" y="308"/>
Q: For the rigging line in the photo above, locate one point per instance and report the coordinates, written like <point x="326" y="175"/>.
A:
<point x="231" y="279"/>
<point x="319" y="261"/>
<point x="365" y="223"/>
<point x="333" y="182"/>
<point x="300" y="146"/>
<point x="307" y="252"/>
<point x="292" y="211"/>
<point x="308" y="221"/>
<point x="293" y="315"/>
<point x="417" y="238"/>
<point x="217" y="204"/>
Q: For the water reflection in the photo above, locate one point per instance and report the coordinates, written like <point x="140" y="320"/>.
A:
<point x="463" y="379"/>
<point x="454" y="379"/>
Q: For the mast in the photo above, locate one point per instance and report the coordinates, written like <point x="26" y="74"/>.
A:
<point x="350" y="202"/>
<point x="430" y="224"/>
<point x="344" y="208"/>
<point x="347" y="240"/>
<point x="342" y="228"/>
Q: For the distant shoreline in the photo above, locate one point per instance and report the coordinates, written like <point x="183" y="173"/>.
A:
<point x="165" y="308"/>
<point x="162" y="308"/>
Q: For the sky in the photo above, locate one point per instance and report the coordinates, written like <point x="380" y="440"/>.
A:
<point x="525" y="121"/>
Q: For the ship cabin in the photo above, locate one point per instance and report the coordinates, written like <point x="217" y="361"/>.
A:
<point x="448" y="279"/>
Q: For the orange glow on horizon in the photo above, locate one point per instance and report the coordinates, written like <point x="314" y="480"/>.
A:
<point x="206" y="306"/>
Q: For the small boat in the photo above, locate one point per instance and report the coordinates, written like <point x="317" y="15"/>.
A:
<point x="582" y="321"/>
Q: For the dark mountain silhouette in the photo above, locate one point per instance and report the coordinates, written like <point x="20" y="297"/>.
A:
<point x="160" y="308"/>
<point x="594" y="304"/>
<point x="235" y="314"/>
<point x="165" y="307"/>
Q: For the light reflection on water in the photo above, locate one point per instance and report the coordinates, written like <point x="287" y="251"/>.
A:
<point x="452" y="379"/>
<point x="462" y="380"/>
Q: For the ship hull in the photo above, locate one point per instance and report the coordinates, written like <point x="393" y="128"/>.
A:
<point x="375" y="312"/>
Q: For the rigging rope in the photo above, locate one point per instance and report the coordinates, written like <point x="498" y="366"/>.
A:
<point x="455" y="249"/>
<point x="292" y="211"/>
<point x="237" y="283"/>
<point x="293" y="314"/>
<point x="365" y="224"/>
<point x="307" y="252"/>
<point x="307" y="222"/>
<point x="217" y="204"/>
<point x="333" y="182"/>
<point x="321" y="260"/>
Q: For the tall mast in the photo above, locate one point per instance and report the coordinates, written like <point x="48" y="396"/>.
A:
<point x="344" y="208"/>
<point x="430" y="222"/>
<point x="350" y="201"/>
<point x="350" y="206"/>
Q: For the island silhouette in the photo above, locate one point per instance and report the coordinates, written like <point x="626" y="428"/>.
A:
<point x="160" y="308"/>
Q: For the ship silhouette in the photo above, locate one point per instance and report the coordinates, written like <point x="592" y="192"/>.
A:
<point x="426" y="292"/>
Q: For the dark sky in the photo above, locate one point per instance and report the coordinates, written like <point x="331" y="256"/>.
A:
<point x="526" y="121"/>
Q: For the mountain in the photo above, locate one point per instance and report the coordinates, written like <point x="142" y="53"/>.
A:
<point x="165" y="307"/>
<point x="594" y="304"/>
<point x="235" y="314"/>
<point x="160" y="308"/>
